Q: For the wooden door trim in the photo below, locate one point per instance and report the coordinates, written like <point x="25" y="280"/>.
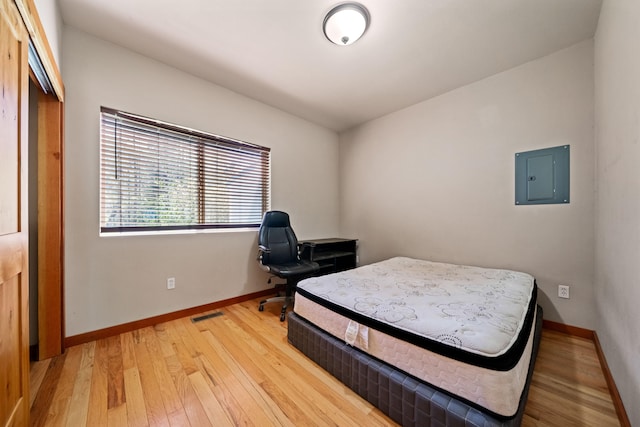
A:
<point x="50" y="227"/>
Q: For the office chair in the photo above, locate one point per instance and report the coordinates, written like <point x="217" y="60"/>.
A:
<point x="279" y="254"/>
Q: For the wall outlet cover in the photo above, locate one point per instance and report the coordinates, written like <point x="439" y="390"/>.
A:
<point x="563" y="291"/>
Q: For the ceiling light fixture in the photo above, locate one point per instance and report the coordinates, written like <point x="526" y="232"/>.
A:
<point x="346" y="23"/>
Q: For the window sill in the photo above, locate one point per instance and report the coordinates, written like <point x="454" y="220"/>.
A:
<point x="178" y="232"/>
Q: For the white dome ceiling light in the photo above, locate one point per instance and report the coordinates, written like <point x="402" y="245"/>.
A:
<point x="346" y="23"/>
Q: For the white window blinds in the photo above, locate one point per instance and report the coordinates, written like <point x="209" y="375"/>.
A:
<point x="157" y="176"/>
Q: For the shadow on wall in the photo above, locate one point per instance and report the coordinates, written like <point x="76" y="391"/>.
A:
<point x="550" y="311"/>
<point x="257" y="278"/>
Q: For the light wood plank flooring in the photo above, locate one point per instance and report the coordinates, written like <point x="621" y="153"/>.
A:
<point x="238" y="369"/>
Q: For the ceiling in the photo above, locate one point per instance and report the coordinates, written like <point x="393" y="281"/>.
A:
<point x="275" y="51"/>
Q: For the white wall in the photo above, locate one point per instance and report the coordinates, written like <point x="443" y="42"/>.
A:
<point x="113" y="280"/>
<point x="436" y="180"/>
<point x="51" y="19"/>
<point x="617" y="136"/>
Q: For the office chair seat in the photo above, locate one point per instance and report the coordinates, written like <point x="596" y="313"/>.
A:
<point x="293" y="269"/>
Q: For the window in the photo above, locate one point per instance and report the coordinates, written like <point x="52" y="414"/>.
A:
<point x="157" y="176"/>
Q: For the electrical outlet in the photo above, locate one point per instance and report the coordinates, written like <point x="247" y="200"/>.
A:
<point x="563" y="291"/>
<point x="171" y="283"/>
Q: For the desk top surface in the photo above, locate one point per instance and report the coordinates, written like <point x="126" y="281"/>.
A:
<point x="327" y="240"/>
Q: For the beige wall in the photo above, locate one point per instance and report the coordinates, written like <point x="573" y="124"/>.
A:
<point x="436" y="180"/>
<point x="617" y="136"/>
<point x="113" y="280"/>
<point x="51" y="18"/>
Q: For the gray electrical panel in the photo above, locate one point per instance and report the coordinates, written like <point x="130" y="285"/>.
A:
<point x="542" y="176"/>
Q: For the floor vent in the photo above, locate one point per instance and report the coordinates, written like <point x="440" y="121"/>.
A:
<point x="206" y="316"/>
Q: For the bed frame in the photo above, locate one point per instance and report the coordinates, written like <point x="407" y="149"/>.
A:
<point x="402" y="397"/>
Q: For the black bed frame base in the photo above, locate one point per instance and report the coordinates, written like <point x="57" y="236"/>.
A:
<point x="404" y="399"/>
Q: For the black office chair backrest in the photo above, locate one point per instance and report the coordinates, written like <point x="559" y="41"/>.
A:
<point x="277" y="235"/>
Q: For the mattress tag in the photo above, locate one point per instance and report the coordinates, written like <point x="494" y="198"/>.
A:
<point x="363" y="335"/>
<point x="351" y="334"/>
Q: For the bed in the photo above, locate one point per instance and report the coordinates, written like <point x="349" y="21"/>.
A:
<point x="427" y="343"/>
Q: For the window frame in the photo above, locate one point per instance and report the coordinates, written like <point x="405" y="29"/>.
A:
<point x="204" y="142"/>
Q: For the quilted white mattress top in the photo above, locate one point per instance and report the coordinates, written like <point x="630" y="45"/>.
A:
<point x="478" y="310"/>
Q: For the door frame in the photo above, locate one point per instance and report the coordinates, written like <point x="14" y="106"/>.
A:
<point x="50" y="227"/>
<point x="45" y="73"/>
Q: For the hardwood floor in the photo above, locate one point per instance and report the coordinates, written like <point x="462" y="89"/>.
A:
<point x="238" y="369"/>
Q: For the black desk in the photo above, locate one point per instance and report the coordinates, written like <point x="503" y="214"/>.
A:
<point x="332" y="254"/>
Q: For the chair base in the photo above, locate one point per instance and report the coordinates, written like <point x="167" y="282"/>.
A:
<point x="286" y="300"/>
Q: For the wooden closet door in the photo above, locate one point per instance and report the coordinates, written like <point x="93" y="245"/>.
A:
<point x="14" y="285"/>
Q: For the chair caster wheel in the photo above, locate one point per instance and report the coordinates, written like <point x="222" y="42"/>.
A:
<point x="282" y="317"/>
<point x="261" y="307"/>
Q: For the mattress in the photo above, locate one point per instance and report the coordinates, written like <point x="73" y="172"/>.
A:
<point x="465" y="330"/>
